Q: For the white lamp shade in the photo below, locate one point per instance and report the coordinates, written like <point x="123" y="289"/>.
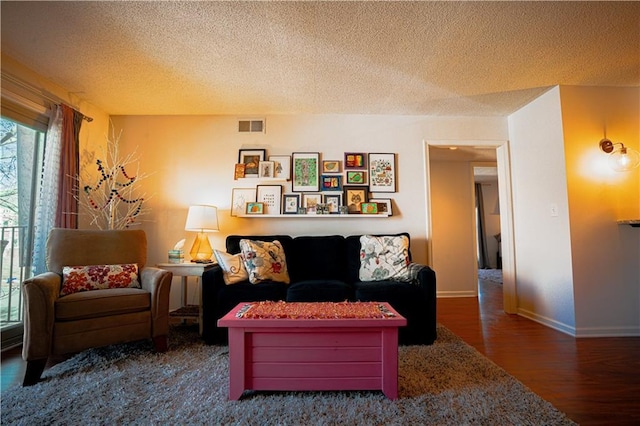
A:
<point x="202" y="218"/>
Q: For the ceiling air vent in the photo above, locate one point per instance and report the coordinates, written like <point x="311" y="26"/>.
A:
<point x="251" y="126"/>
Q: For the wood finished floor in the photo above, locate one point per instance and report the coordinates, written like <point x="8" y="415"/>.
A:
<point x="595" y="381"/>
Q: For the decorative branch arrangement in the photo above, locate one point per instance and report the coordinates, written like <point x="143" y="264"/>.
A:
<point x="112" y="202"/>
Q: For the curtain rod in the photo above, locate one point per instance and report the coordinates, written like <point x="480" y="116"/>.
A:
<point x="40" y="92"/>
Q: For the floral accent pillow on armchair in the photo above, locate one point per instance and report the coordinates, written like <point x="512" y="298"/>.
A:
<point x="98" y="277"/>
<point x="384" y="258"/>
<point x="264" y="261"/>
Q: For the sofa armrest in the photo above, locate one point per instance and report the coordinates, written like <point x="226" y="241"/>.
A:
<point x="212" y="281"/>
<point x="425" y="277"/>
<point x="157" y="282"/>
<point x="40" y="294"/>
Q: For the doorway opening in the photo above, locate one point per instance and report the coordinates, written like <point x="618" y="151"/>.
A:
<point x="442" y="159"/>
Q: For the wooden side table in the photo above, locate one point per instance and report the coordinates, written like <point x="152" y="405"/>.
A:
<point x="186" y="270"/>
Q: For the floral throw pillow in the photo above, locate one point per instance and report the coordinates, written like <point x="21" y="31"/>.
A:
<point x="233" y="270"/>
<point x="384" y="258"/>
<point x="265" y="261"/>
<point x="98" y="277"/>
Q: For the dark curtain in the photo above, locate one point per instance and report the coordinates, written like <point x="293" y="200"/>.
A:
<point x="67" y="214"/>
<point x="483" y="259"/>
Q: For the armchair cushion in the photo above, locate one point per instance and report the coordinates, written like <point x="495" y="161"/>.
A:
<point x="98" y="277"/>
<point x="101" y="303"/>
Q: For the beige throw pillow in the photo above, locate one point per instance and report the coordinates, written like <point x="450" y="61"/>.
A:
<point x="265" y="261"/>
<point x="232" y="265"/>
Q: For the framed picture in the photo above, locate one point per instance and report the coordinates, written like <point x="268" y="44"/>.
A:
<point x="384" y="205"/>
<point x="311" y="201"/>
<point x="369" y="208"/>
<point x="239" y="199"/>
<point x="271" y="197"/>
<point x="305" y="171"/>
<point x="331" y="166"/>
<point x="356" y="177"/>
<point x="354" y="196"/>
<point x="355" y="160"/>
<point x="255" y="208"/>
<point x="265" y="169"/>
<point x="251" y="159"/>
<point x="333" y="202"/>
<point x="238" y="172"/>
<point x="281" y="166"/>
<point x="290" y="203"/>
<point x="331" y="182"/>
<point x="382" y="172"/>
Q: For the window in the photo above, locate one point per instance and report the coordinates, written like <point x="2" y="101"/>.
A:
<point x="21" y="155"/>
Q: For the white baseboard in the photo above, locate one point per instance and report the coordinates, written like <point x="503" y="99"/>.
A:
<point x="469" y="293"/>
<point x="549" y="322"/>
<point x="630" y="331"/>
<point x="608" y="332"/>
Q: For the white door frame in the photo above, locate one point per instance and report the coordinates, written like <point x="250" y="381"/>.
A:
<point x="509" y="289"/>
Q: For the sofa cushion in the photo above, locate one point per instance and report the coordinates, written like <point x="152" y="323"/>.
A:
<point x="384" y="258"/>
<point x="265" y="261"/>
<point x="318" y="258"/>
<point x="101" y="303"/>
<point x="319" y="291"/>
<point x="229" y="296"/>
<point x="98" y="277"/>
<point x="232" y="242"/>
<point x="232" y="265"/>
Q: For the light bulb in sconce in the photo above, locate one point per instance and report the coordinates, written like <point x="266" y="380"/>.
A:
<point x="622" y="159"/>
<point x="202" y="219"/>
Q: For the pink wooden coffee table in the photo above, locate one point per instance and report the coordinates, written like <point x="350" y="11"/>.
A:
<point x="313" y="354"/>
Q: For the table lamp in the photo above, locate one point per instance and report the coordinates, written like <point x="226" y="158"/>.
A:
<point x="202" y="219"/>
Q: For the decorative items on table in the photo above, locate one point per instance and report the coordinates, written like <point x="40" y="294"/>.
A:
<point x="176" y="255"/>
<point x="202" y="219"/>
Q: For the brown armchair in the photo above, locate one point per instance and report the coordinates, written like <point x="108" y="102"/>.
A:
<point x="56" y="325"/>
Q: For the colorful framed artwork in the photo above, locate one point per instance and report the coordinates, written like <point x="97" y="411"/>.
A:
<point x="382" y="172"/>
<point x="331" y="182"/>
<point x="356" y="177"/>
<point x="384" y="205"/>
<point x="271" y="197"/>
<point x="331" y="166"/>
<point x="239" y="199"/>
<point x="251" y="159"/>
<point x="281" y="166"/>
<point x="305" y="171"/>
<point x="355" y="160"/>
<point x="290" y="203"/>
<point x="310" y="202"/>
<point x="369" y="208"/>
<point x="333" y="203"/>
<point x="255" y="208"/>
<point x="265" y="169"/>
<point x="354" y="196"/>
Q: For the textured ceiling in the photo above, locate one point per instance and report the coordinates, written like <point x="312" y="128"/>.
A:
<point x="258" y="58"/>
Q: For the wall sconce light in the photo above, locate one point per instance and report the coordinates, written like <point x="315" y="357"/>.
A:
<point x="621" y="159"/>
<point x="202" y="219"/>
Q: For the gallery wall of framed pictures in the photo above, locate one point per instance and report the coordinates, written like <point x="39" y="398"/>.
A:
<point x="304" y="183"/>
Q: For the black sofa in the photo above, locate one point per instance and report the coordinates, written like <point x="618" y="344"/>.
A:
<point x="333" y="276"/>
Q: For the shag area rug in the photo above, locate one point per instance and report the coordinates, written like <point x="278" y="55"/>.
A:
<point x="447" y="383"/>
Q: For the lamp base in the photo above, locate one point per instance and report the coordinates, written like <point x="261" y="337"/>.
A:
<point x="201" y="250"/>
